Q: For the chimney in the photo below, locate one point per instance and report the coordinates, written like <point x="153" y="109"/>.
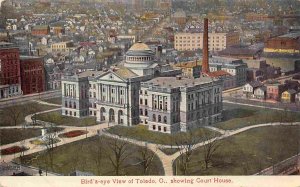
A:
<point x="205" y="65"/>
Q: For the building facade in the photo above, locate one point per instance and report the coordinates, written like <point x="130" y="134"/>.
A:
<point x="128" y="95"/>
<point x="235" y="67"/>
<point x="216" y="41"/>
<point x="288" y="43"/>
<point x="10" y="79"/>
<point x="32" y="75"/>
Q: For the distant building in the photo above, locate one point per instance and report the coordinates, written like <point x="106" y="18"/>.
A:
<point x="274" y="90"/>
<point x="260" y="93"/>
<point x="289" y="96"/>
<point x="235" y="67"/>
<point x="62" y="47"/>
<point x="217" y="41"/>
<point x="10" y="78"/>
<point x="32" y="74"/>
<point x="179" y="17"/>
<point x="40" y="30"/>
<point x="190" y="69"/>
<point x="249" y="88"/>
<point x="288" y="43"/>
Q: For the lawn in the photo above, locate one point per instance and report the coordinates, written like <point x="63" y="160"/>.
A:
<point x="82" y="155"/>
<point x="168" y="151"/>
<point x="8" y="136"/>
<point x="249" y="152"/>
<point x="237" y="116"/>
<point x="57" y="118"/>
<point x="140" y="132"/>
<point x="8" y="115"/>
<point x="54" y="100"/>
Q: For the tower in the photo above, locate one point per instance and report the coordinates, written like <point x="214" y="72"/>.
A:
<point x="205" y="64"/>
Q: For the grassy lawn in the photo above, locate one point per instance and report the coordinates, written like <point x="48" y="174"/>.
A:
<point x="58" y="119"/>
<point x="140" y="132"/>
<point x="249" y="152"/>
<point x="19" y="112"/>
<point x="8" y="136"/>
<point x="54" y="100"/>
<point x="81" y="155"/>
<point x="168" y="151"/>
<point x="237" y="116"/>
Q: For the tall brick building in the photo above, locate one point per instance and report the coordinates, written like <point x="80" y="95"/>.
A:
<point x="32" y="74"/>
<point x="10" y="80"/>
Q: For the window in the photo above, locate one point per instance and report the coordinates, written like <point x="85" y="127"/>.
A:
<point x="146" y="93"/>
<point x="74" y="113"/>
<point x="159" y="118"/>
<point x="165" y="119"/>
<point x="95" y="106"/>
<point x="159" y="128"/>
<point x="66" y="112"/>
<point x="146" y="102"/>
<point x="153" y="117"/>
<point x="154" y="127"/>
<point x="141" y="111"/>
<point x="66" y="104"/>
<point x="95" y="113"/>
<point x="141" y="101"/>
<point x="146" y="112"/>
<point x="165" y="129"/>
<point x="74" y="105"/>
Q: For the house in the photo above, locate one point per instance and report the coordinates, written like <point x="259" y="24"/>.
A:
<point x="248" y="89"/>
<point x="274" y="90"/>
<point x="260" y="93"/>
<point x="289" y="96"/>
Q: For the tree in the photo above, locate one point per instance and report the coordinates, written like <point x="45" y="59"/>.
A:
<point x="49" y="141"/>
<point x="211" y="145"/>
<point x="147" y="157"/>
<point x="97" y="152"/>
<point x="185" y="144"/>
<point x="119" y="154"/>
<point x="14" y="113"/>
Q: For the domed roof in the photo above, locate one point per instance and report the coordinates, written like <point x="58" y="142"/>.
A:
<point x="140" y="49"/>
<point x="139" y="46"/>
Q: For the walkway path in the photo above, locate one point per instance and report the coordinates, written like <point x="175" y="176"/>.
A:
<point x="167" y="160"/>
<point x="46" y="103"/>
<point x="216" y="129"/>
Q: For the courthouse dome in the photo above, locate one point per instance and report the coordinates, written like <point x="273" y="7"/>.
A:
<point x="139" y="56"/>
<point x="140" y="49"/>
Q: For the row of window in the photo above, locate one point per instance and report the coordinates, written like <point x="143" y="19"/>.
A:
<point x="159" y="128"/>
<point x="70" y="104"/>
<point x="159" y="119"/>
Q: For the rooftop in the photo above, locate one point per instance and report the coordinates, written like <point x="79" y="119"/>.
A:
<point x="173" y="82"/>
<point x="125" y="73"/>
<point x="139" y="47"/>
<point x="293" y="35"/>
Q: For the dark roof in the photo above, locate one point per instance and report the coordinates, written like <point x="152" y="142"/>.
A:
<point x="255" y="84"/>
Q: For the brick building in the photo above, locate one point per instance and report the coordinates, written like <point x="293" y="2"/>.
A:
<point x="40" y="30"/>
<point x="10" y="81"/>
<point x="33" y="74"/>
<point x="288" y="43"/>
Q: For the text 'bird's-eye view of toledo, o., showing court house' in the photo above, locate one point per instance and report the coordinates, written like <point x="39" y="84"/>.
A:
<point x="149" y="88"/>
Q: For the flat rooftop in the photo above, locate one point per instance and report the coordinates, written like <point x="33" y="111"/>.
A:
<point x="174" y="82"/>
<point x="293" y="35"/>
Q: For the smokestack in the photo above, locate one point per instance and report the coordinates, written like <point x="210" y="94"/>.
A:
<point x="205" y="65"/>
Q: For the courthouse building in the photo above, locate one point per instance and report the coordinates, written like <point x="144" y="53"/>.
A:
<point x="142" y="90"/>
